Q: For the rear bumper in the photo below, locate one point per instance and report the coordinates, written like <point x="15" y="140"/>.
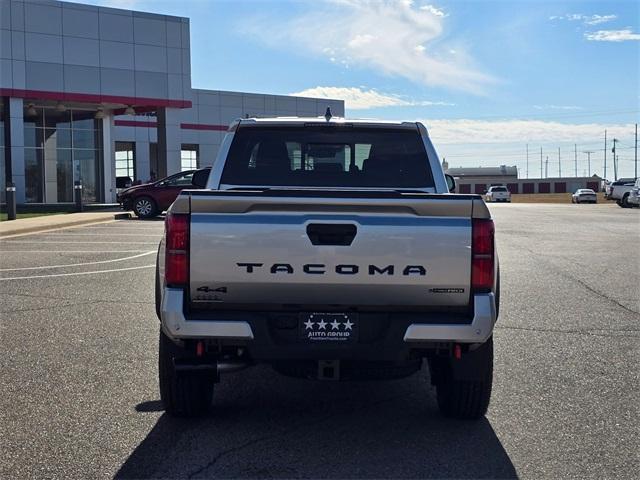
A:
<point x="396" y="332"/>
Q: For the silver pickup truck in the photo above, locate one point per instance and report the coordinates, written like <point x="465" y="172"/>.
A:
<point x="329" y="249"/>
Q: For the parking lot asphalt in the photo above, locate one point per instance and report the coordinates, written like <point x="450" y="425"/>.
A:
<point x="78" y="336"/>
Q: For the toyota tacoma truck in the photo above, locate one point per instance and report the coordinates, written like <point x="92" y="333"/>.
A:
<point x="329" y="249"/>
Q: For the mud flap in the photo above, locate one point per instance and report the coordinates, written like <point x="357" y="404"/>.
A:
<point x="472" y="365"/>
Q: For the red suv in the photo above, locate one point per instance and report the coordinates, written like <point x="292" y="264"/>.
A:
<point x="151" y="199"/>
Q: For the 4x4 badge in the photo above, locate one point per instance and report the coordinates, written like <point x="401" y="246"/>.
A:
<point x="207" y="289"/>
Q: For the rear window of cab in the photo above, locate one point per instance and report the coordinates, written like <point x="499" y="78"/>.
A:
<point x="328" y="157"/>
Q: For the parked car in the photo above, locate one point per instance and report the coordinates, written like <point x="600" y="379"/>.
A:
<point x="584" y="195"/>
<point x="634" y="195"/>
<point x="620" y="190"/>
<point x="151" y="199"/>
<point x="122" y="183"/>
<point x="498" y="194"/>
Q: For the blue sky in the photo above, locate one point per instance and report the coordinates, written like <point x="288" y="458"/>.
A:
<point x="487" y="78"/>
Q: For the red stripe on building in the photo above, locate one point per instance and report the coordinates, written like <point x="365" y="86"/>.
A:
<point x="184" y="126"/>
<point x="135" y="123"/>
<point x="91" y="98"/>
<point x="204" y="126"/>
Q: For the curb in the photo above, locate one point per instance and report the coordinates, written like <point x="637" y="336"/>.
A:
<point x="71" y="223"/>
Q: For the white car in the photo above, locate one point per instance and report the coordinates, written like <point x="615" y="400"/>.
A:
<point x="584" y="195"/>
<point x="634" y="195"/>
<point x="498" y="194"/>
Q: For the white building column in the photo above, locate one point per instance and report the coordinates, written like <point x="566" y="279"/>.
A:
<point x="109" y="159"/>
<point x="143" y="161"/>
<point x="16" y="125"/>
<point x="169" y="145"/>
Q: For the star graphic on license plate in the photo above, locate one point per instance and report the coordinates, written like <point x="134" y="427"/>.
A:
<point x="335" y="325"/>
<point x="348" y="324"/>
<point x="322" y="325"/>
<point x="309" y="324"/>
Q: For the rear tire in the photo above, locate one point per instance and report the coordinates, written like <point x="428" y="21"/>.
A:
<point x="145" y="207"/>
<point x="624" y="203"/>
<point x="184" y="394"/>
<point x="466" y="399"/>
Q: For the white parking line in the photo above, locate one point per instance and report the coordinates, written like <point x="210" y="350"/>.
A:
<point x="77" y="273"/>
<point x="157" y="235"/>
<point x="74" y="251"/>
<point x="74" y="241"/>
<point x="47" y="267"/>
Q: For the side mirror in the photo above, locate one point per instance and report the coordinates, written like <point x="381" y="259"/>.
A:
<point x="200" y="178"/>
<point x="451" y="183"/>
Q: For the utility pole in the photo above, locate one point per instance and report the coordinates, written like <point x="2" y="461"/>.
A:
<point x="615" y="162"/>
<point x="636" y="155"/>
<point x="546" y="167"/>
<point x="588" y="162"/>
<point x="559" y="165"/>
<point x="575" y="157"/>
<point x="528" y="154"/>
<point x="605" y="154"/>
<point x="540" y="162"/>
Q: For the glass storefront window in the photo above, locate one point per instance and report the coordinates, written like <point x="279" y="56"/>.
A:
<point x="189" y="157"/>
<point x="85" y="139"/>
<point x="56" y="138"/>
<point x="87" y="171"/>
<point x="61" y="148"/>
<point x="33" y="170"/>
<point x="125" y="160"/>
<point x="55" y="119"/>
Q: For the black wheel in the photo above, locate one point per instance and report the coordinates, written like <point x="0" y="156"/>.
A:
<point x="624" y="203"/>
<point x="467" y="397"/>
<point x="184" y="394"/>
<point x="145" y="207"/>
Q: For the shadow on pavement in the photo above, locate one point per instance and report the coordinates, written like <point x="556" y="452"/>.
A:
<point x="267" y="426"/>
<point x="150" y="406"/>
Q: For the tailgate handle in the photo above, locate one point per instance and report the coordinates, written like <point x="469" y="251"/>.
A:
<point x="331" y="233"/>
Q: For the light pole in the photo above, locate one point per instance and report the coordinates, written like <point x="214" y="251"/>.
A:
<point x="588" y="162"/>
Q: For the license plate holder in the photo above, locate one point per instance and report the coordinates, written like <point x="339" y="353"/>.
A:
<point x="320" y="327"/>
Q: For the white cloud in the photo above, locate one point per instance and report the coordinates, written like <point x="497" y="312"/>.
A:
<point x="612" y="35"/>
<point x="586" y="19"/>
<point x="556" y="107"/>
<point x="465" y="131"/>
<point x="382" y="35"/>
<point x="434" y="10"/>
<point x="598" y="19"/>
<point x="362" y="99"/>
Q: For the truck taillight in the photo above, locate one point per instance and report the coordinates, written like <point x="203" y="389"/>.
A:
<point x="482" y="254"/>
<point x="176" y="267"/>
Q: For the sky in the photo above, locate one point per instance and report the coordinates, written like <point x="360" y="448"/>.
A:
<point x="489" y="79"/>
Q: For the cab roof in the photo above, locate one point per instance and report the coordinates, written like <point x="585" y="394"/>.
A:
<point x="322" y="121"/>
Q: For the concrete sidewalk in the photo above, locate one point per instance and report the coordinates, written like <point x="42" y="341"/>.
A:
<point x="53" y="222"/>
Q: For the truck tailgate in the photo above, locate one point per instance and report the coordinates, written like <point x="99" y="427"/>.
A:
<point x="374" y="252"/>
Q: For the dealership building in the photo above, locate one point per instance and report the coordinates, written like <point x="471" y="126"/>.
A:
<point x="479" y="179"/>
<point x="89" y="94"/>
